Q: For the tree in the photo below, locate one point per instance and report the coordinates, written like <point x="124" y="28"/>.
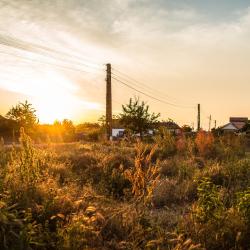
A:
<point x="246" y="127"/>
<point x="136" y="117"/>
<point x="186" y="128"/>
<point x="68" y="130"/>
<point x="24" y="115"/>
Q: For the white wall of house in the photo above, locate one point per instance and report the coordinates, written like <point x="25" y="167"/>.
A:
<point x="117" y="131"/>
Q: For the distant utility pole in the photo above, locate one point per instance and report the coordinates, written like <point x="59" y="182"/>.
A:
<point x="108" y="102"/>
<point x="209" y="125"/>
<point x="215" y="123"/>
<point x="199" y="118"/>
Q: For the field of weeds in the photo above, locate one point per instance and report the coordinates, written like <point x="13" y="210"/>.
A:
<point x="172" y="193"/>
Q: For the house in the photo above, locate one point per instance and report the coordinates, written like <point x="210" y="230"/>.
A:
<point x="118" y="132"/>
<point x="171" y="126"/>
<point x="117" y="128"/>
<point x="235" y="124"/>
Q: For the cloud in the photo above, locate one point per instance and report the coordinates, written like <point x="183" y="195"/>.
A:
<point x="185" y="50"/>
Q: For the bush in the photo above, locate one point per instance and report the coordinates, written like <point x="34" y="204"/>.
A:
<point x="180" y="169"/>
<point x="205" y="143"/>
<point x="244" y="205"/>
<point x="209" y="205"/>
<point x="145" y="175"/>
<point x="113" y="178"/>
<point x="166" y="144"/>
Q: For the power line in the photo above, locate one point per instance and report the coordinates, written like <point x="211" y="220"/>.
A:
<point x="39" y="49"/>
<point x="43" y="62"/>
<point x="136" y="82"/>
<point x="150" y="96"/>
<point x="16" y="42"/>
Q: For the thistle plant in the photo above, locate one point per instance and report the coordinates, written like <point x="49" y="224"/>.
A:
<point x="144" y="175"/>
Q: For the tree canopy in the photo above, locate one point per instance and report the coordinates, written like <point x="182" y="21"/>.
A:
<point x="136" y="117"/>
<point x="23" y="114"/>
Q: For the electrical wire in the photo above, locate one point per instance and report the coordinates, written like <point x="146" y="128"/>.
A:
<point x="44" y="62"/>
<point x="39" y="49"/>
<point x="136" y="82"/>
<point x="150" y="96"/>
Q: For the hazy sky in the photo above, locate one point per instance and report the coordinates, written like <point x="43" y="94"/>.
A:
<point x="187" y="52"/>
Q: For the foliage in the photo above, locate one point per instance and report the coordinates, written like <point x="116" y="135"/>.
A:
<point x="165" y="194"/>
<point x="166" y="143"/>
<point x="24" y="115"/>
<point x="244" y="204"/>
<point x="209" y="205"/>
<point x="136" y="116"/>
<point x="145" y="175"/>
<point x="186" y="128"/>
<point x="204" y="142"/>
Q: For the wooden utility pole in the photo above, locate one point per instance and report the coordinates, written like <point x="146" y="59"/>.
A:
<point x="108" y="102"/>
<point x="215" y="123"/>
<point x="199" y="118"/>
<point x="209" y="125"/>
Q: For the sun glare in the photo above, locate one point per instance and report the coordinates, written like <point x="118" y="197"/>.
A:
<point x="53" y="95"/>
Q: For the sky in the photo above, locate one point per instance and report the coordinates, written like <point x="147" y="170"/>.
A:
<point x="181" y="52"/>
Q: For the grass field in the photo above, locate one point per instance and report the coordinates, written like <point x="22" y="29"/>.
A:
<point x="185" y="193"/>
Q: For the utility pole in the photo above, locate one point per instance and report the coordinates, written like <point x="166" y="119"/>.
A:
<point x="215" y="124"/>
<point x="108" y="102"/>
<point x="209" y="125"/>
<point x="199" y="118"/>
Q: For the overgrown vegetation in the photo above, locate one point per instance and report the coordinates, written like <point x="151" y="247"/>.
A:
<point x="172" y="193"/>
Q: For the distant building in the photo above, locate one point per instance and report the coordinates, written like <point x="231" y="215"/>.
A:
<point x="118" y="132"/>
<point x="117" y="128"/>
<point x="235" y="124"/>
<point x="171" y="126"/>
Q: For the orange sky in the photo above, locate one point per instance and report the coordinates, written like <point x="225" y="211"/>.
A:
<point x="183" y="53"/>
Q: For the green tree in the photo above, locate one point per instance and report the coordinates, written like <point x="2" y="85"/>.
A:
<point x="68" y="130"/>
<point x="246" y="127"/>
<point x="24" y="115"/>
<point x="186" y="128"/>
<point x="136" y="117"/>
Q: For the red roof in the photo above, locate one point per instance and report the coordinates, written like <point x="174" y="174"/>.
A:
<point x="239" y="125"/>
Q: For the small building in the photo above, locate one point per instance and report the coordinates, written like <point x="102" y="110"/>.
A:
<point x="117" y="128"/>
<point x="235" y="124"/>
<point x="118" y="132"/>
<point x="171" y="126"/>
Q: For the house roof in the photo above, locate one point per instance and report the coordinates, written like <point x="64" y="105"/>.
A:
<point x="234" y="126"/>
<point x="238" y="119"/>
<point x="168" y="124"/>
<point x="236" y="123"/>
<point x="239" y="125"/>
<point x="229" y="126"/>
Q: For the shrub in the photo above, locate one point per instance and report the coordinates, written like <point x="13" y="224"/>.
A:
<point x="180" y="169"/>
<point x="238" y="174"/>
<point x="24" y="170"/>
<point x="244" y="204"/>
<point x="145" y="175"/>
<point x="209" y="205"/>
<point x="17" y="230"/>
<point x="170" y="192"/>
<point x="113" y="178"/>
<point x="82" y="231"/>
<point x="204" y="142"/>
<point x="165" y="193"/>
<point x="166" y="144"/>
